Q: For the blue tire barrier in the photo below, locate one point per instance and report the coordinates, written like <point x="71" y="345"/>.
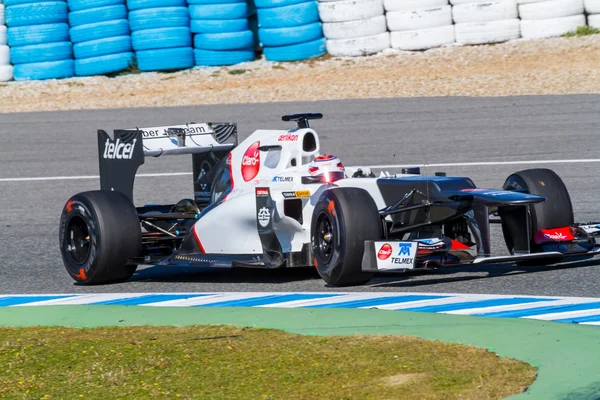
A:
<point x="161" y="38"/>
<point x="96" y="15"/>
<point x="288" y="16"/>
<point x="79" y="5"/>
<point x="100" y="30"/>
<point x="296" y="52"/>
<point x="36" y="14"/>
<point x="224" y="41"/>
<point x="104" y="64"/>
<point x="9" y="3"/>
<point x="102" y="47"/>
<point x="194" y="2"/>
<point x="215" y="58"/>
<point x="45" y="70"/>
<point x="219" y="11"/>
<point x="276" y="3"/>
<point x="218" y="25"/>
<point x="38" y="34"/>
<point x="139" y="4"/>
<point x="165" y="59"/>
<point x="38" y="53"/>
<point x="164" y="17"/>
<point x="275" y="37"/>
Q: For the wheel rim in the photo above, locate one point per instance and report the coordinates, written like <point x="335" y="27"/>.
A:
<point x="325" y="238"/>
<point x="77" y="238"/>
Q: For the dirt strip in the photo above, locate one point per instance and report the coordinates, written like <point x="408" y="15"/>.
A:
<point x="520" y="67"/>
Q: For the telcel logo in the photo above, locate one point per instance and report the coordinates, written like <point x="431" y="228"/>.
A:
<point x="118" y="150"/>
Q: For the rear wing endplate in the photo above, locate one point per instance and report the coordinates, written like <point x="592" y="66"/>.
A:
<point x="121" y="156"/>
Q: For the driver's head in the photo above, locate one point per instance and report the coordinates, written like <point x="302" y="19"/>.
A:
<point x="327" y="166"/>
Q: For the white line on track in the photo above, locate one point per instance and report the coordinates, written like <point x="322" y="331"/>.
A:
<point x="388" y="166"/>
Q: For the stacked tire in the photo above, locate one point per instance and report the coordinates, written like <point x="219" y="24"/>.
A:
<point x="38" y="36"/>
<point x="354" y="27"/>
<point x="485" y="21"/>
<point x="419" y="24"/>
<point x="6" y="69"/>
<point x="100" y="36"/>
<point x="592" y="8"/>
<point x="221" y="32"/>
<point x="550" y="18"/>
<point x="290" y="30"/>
<point x="160" y="34"/>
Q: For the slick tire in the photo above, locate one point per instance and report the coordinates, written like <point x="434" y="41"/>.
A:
<point x="555" y="212"/>
<point x="99" y="231"/>
<point x="342" y="220"/>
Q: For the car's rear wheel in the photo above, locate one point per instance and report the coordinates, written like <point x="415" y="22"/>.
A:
<point x="555" y="212"/>
<point x="342" y="220"/>
<point x="99" y="233"/>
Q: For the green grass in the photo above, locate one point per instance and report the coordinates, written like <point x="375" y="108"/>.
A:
<point x="582" y="31"/>
<point x="237" y="71"/>
<point x="220" y="362"/>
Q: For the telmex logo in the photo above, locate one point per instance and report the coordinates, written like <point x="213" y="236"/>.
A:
<point x="404" y="249"/>
<point x="118" y="150"/>
<point x="288" y="138"/>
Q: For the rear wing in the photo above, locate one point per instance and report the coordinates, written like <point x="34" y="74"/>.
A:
<point x="121" y="156"/>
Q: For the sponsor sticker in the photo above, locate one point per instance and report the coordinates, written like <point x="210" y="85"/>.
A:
<point x="262" y="192"/>
<point x="119" y="150"/>
<point x="297" y="193"/>
<point x="283" y="179"/>
<point x="264" y="217"/>
<point x="251" y="162"/>
<point x="288" y="138"/>
<point x="396" y="255"/>
<point x="384" y="252"/>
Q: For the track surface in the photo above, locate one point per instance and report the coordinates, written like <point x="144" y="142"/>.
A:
<point x="365" y="132"/>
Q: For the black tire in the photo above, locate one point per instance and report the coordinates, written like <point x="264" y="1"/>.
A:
<point x="555" y="212"/>
<point x="352" y="217"/>
<point x="99" y="231"/>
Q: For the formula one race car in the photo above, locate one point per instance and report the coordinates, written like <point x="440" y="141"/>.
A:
<point x="275" y="200"/>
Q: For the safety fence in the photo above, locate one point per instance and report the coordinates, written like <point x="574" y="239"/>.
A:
<point x="43" y="39"/>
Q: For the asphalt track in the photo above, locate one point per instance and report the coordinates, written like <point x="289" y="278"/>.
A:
<point x="367" y="132"/>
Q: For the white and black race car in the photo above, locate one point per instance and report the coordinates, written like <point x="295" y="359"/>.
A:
<point x="276" y="200"/>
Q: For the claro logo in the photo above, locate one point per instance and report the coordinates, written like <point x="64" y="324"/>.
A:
<point x="384" y="252"/>
<point x="251" y="162"/>
<point x="118" y="150"/>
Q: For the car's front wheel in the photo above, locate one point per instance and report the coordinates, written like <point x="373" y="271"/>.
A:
<point x="99" y="233"/>
<point x="342" y="220"/>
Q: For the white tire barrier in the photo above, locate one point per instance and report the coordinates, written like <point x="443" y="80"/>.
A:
<point x="423" y="39"/>
<point x="592" y="6"/>
<point x="349" y="10"/>
<point x="594" y="21"/>
<point x="488" y="32"/>
<point x="550" y="9"/>
<point x="483" y="12"/>
<point x="419" y="19"/>
<point x="411" y="5"/>
<point x="356" y="47"/>
<point x="553" y="27"/>
<point x="6" y="73"/>
<point x="354" y="29"/>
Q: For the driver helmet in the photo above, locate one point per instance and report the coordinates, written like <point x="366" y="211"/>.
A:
<point x="327" y="167"/>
